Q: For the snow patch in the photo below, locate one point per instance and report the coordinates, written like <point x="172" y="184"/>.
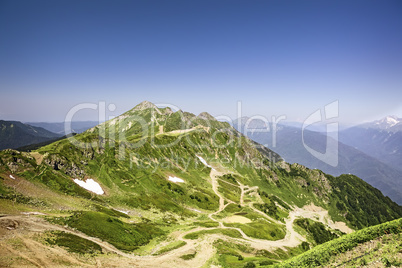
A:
<point x="175" y="179"/>
<point x="204" y="162"/>
<point x="391" y="121"/>
<point x="12" y="177"/>
<point x="196" y="210"/>
<point x="90" y="185"/>
<point x="122" y="211"/>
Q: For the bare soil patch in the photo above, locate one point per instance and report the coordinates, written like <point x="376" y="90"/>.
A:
<point x="236" y="219"/>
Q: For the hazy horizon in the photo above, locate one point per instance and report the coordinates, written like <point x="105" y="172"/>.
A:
<point x="276" y="57"/>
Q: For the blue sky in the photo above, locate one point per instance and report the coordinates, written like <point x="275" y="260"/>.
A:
<point x="276" y="57"/>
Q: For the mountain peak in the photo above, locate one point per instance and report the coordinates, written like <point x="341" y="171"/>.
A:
<point x="206" y="116"/>
<point x="388" y="121"/>
<point x="144" y="105"/>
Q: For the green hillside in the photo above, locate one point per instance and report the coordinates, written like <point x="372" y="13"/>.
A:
<point x="386" y="235"/>
<point x="14" y="134"/>
<point x="187" y="185"/>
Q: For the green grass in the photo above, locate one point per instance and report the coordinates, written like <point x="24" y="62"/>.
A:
<point x="386" y="249"/>
<point x="188" y="256"/>
<point x="260" y="230"/>
<point x="229" y="191"/>
<point x="73" y="243"/>
<point x="230" y="261"/>
<point x="207" y="224"/>
<point x="171" y="246"/>
<point x="228" y="232"/>
<point x="122" y="235"/>
<point x="321" y="254"/>
<point x="111" y="212"/>
<point x="232" y="208"/>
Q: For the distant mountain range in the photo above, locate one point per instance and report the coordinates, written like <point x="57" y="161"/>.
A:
<point x="58" y="127"/>
<point x="381" y="139"/>
<point x="389" y="123"/>
<point x="31" y="136"/>
<point x="377" y="168"/>
<point x="14" y="134"/>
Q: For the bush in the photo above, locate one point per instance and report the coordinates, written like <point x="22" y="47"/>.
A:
<point x="316" y="229"/>
<point x="188" y="256"/>
<point x="249" y="265"/>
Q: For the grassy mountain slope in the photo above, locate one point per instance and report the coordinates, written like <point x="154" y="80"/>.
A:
<point x="329" y="254"/>
<point x="289" y="145"/>
<point x="15" y="134"/>
<point x="386" y="146"/>
<point x="189" y="184"/>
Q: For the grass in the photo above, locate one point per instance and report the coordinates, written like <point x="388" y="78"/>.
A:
<point x="122" y="235"/>
<point x="229" y="191"/>
<point x="207" y="224"/>
<point x="230" y="261"/>
<point x="111" y="212"/>
<point x="387" y="249"/>
<point x="228" y="232"/>
<point x="260" y="230"/>
<point x="231" y="254"/>
<point x="188" y="256"/>
<point x="321" y="254"/>
<point x="171" y="246"/>
<point x="233" y="208"/>
<point x="72" y="243"/>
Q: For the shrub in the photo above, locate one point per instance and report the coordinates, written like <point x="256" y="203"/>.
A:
<point x="249" y="265"/>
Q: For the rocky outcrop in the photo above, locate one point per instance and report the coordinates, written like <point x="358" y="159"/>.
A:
<point x="16" y="160"/>
<point x="62" y="164"/>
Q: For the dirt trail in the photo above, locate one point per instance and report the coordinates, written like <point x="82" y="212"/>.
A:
<point x="214" y="181"/>
<point x="291" y="239"/>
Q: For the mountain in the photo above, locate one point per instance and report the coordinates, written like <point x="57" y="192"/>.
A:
<point x="289" y="144"/>
<point x="388" y="123"/>
<point x="153" y="187"/>
<point x="35" y="146"/>
<point x="14" y="134"/>
<point x="380" y="139"/>
<point x="58" y="127"/>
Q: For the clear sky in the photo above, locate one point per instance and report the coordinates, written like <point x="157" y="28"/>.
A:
<point x="276" y="57"/>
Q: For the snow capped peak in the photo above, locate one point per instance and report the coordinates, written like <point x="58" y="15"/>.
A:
<point x="389" y="121"/>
